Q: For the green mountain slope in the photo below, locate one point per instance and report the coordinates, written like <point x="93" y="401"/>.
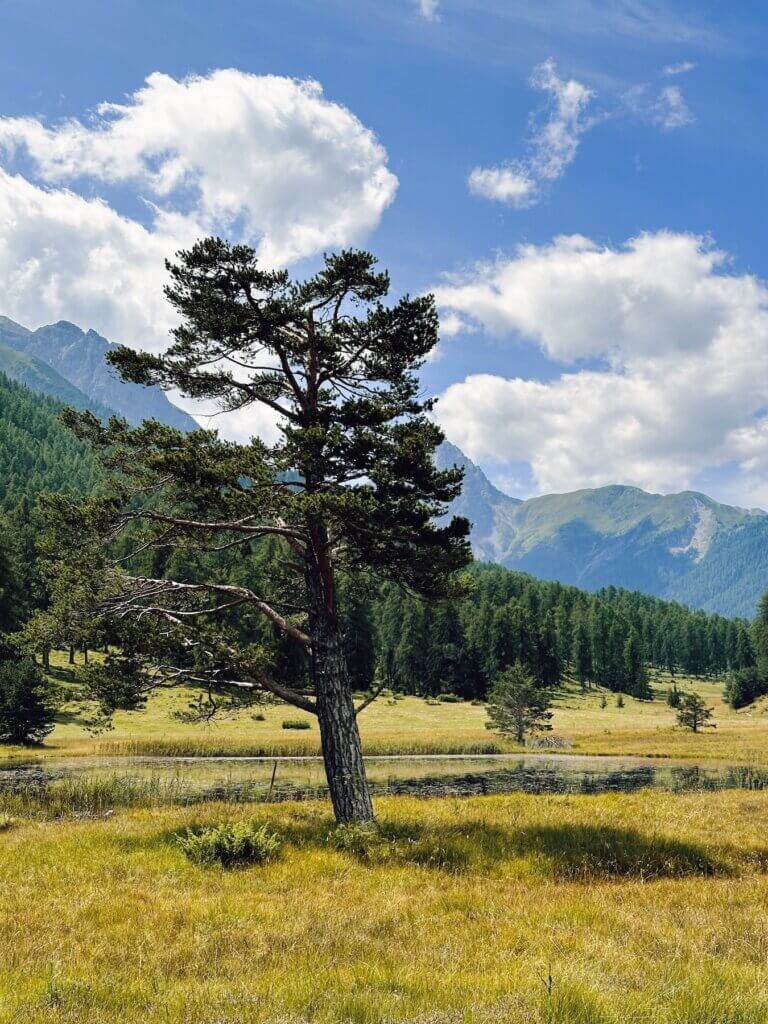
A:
<point x="79" y="357"/>
<point x="684" y="546"/>
<point x="36" y="452"/>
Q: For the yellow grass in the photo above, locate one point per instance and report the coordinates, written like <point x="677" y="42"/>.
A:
<point x="646" y="908"/>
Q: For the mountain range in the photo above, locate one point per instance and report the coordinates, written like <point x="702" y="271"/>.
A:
<point x="69" y="364"/>
<point x="683" y="547"/>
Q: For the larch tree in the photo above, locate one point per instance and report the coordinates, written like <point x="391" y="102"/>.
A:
<point x="349" y="488"/>
<point x="635" y="672"/>
<point x="517" y="705"/>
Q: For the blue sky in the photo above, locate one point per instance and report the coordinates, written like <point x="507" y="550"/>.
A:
<point x="571" y="363"/>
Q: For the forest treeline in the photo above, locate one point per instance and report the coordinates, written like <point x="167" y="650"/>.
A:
<point x="611" y="638"/>
<point x="459" y="646"/>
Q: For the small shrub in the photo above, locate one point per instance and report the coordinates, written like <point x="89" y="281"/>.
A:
<point x="477" y="703"/>
<point x="603" y="701"/>
<point x="296" y="723"/>
<point x="259" y="717"/>
<point x="620" y="701"/>
<point x="548" y="743"/>
<point x="230" y="844"/>
<point x="693" y="713"/>
<point x="673" y="697"/>
<point x="361" y="841"/>
<point x="450" y="698"/>
<point x="517" y="705"/>
<point x="6" y="822"/>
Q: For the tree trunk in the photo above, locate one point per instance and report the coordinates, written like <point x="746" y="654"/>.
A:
<point x="340" y="737"/>
<point x="71" y="655"/>
<point x="339" y="734"/>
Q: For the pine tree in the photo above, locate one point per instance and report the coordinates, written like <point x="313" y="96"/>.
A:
<point x="693" y="713"/>
<point x="350" y="487"/>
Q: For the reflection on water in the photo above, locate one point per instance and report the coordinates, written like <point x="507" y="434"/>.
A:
<point x="190" y="780"/>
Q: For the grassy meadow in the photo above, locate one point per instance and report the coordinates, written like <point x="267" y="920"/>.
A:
<point x="645" y="907"/>
<point x="649" y="908"/>
<point x="411" y="725"/>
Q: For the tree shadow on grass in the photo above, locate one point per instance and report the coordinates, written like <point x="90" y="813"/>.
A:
<point x="73" y="716"/>
<point x="566" y="852"/>
<point x="585" y="852"/>
<point x="63" y="673"/>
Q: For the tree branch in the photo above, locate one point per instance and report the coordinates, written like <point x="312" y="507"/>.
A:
<point x="370" y="699"/>
<point x="159" y="587"/>
<point x="233" y="525"/>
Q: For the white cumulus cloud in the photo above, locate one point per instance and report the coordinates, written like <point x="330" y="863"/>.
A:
<point x="553" y="143"/>
<point x="666" y="109"/>
<point x="512" y="185"/>
<point x="674" y="385"/>
<point x="262" y="159"/>
<point x="298" y="171"/>
<point x="259" y="158"/>
<point x="679" y="69"/>
<point x="66" y="257"/>
<point x="671" y="111"/>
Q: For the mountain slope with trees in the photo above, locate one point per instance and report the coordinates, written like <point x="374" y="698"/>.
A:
<point x="80" y="358"/>
<point x="685" y="546"/>
<point x="37" y="452"/>
<point x="610" y="638"/>
<point x="38" y="376"/>
<point x="427" y="649"/>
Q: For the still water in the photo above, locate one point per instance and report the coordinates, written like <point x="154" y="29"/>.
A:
<point x="190" y="780"/>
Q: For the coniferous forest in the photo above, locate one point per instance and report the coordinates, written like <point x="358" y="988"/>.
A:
<point x="612" y="638"/>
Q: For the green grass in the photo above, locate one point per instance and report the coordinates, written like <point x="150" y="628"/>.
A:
<point x="647" y="908"/>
